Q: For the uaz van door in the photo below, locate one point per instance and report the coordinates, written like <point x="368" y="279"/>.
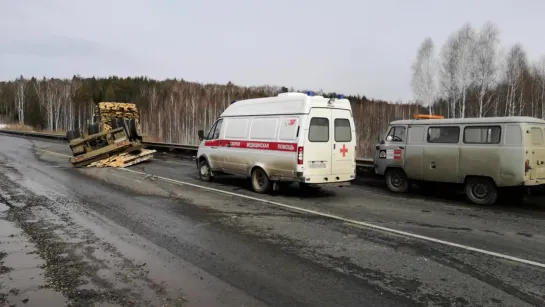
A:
<point x="537" y="162"/>
<point x="317" y="146"/>
<point x="392" y="151"/>
<point x="344" y="143"/>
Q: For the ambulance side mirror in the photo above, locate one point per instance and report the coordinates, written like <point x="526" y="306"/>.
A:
<point x="201" y="135"/>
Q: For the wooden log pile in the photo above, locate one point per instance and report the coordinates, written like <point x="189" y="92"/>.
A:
<point x="110" y="110"/>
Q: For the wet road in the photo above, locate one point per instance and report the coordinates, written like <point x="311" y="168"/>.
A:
<point x="157" y="236"/>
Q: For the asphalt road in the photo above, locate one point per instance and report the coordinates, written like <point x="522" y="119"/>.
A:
<point x="154" y="235"/>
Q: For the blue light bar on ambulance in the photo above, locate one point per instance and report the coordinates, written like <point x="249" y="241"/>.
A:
<point x="310" y="93"/>
<point x="340" y="96"/>
<point x="233" y="101"/>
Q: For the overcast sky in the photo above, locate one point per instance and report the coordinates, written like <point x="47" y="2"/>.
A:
<point x="348" y="46"/>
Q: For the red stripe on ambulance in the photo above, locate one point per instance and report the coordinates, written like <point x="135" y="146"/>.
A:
<point x="276" y="146"/>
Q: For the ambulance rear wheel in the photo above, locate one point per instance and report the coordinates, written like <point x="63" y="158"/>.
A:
<point x="397" y="180"/>
<point x="204" y="171"/>
<point x="260" y="181"/>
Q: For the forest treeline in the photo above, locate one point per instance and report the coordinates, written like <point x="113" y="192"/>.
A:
<point x="172" y="110"/>
<point x="471" y="76"/>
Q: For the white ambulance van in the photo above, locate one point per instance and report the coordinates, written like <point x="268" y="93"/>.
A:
<point x="293" y="137"/>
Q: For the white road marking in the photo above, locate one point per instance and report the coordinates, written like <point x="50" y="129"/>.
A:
<point x="332" y="216"/>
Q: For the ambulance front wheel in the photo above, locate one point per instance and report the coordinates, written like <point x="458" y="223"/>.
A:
<point x="397" y="180"/>
<point x="260" y="181"/>
<point x="204" y="171"/>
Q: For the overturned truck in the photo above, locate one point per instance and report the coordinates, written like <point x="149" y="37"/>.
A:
<point x="114" y="138"/>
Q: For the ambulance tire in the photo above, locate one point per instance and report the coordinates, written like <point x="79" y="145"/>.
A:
<point x="260" y="181"/>
<point x="397" y="180"/>
<point x="204" y="171"/>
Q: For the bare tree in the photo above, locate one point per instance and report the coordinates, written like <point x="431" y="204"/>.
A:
<point x="540" y="80"/>
<point x="20" y="94"/>
<point x="448" y="72"/>
<point x="484" y="68"/>
<point x="515" y="67"/>
<point x="424" y="79"/>
<point x="465" y="38"/>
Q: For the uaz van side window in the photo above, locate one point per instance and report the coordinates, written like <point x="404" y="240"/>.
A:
<point x="445" y="135"/>
<point x="482" y="134"/>
<point x="319" y="130"/>
<point x="396" y="134"/>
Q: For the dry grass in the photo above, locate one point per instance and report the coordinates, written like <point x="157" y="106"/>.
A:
<point x="17" y="127"/>
<point x="152" y="139"/>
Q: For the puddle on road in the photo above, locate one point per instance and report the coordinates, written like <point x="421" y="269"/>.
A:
<point x="23" y="282"/>
<point x="3" y="207"/>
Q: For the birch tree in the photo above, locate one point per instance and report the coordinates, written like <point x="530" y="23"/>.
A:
<point x="465" y="38"/>
<point x="424" y="77"/>
<point x="540" y="80"/>
<point x="515" y="67"/>
<point x="20" y="95"/>
<point x="484" y="67"/>
<point x="448" y="72"/>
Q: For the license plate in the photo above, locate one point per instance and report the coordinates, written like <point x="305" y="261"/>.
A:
<point x="317" y="165"/>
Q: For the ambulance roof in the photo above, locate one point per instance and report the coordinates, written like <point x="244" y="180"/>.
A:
<point x="470" y="120"/>
<point x="284" y="103"/>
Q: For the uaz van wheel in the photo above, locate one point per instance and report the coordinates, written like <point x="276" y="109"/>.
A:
<point x="397" y="181"/>
<point x="260" y="181"/>
<point x="204" y="171"/>
<point x="481" y="191"/>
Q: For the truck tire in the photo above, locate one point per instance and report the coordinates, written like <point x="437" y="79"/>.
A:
<point x="93" y="129"/>
<point x="125" y="125"/>
<point x="204" y="171"/>
<point x="114" y="123"/>
<point x="481" y="191"/>
<point x="260" y="181"/>
<point x="77" y="133"/>
<point x="397" y="180"/>
<point x="70" y="135"/>
<point x="133" y="128"/>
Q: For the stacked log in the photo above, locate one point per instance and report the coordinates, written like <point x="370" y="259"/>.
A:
<point x="110" y="110"/>
<point x="124" y="159"/>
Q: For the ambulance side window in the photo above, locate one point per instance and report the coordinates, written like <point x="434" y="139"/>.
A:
<point x="210" y="132"/>
<point x="343" y="132"/>
<point x="319" y="130"/>
<point x="214" y="133"/>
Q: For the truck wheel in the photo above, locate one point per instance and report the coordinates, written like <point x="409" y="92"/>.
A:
<point x="204" y="171"/>
<point x="70" y="135"/>
<point x="260" y="181"/>
<point x="397" y="180"/>
<point x="125" y="125"/>
<point x="133" y="128"/>
<point x="77" y="134"/>
<point x="481" y="191"/>
<point x="114" y="123"/>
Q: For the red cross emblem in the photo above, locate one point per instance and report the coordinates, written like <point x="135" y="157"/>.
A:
<point x="344" y="150"/>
